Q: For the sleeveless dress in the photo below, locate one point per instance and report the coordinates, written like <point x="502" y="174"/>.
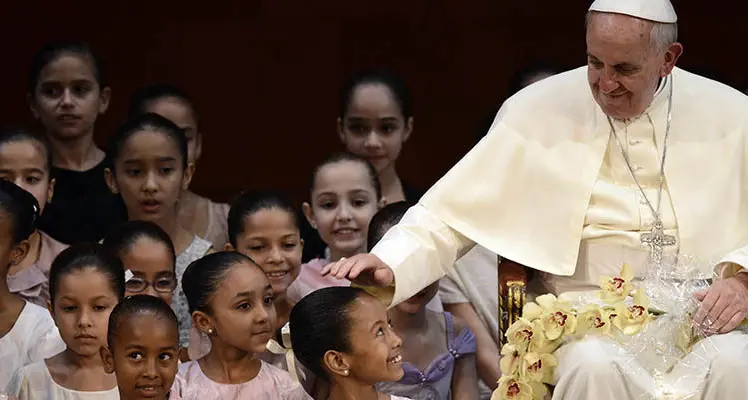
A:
<point x="435" y="382"/>
<point x="196" y="249"/>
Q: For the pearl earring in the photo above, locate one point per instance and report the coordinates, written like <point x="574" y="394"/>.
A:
<point x="210" y="331"/>
<point x="345" y="372"/>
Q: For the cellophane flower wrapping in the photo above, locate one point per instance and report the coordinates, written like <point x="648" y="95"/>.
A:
<point x="650" y="319"/>
<point x="668" y="352"/>
<point x="673" y="351"/>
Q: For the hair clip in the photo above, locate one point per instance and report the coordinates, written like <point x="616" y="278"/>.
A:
<point x="128" y="275"/>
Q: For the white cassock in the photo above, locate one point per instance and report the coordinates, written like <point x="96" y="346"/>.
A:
<point x="549" y="189"/>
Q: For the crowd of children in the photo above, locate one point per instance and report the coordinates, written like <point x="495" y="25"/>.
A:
<point x="117" y="281"/>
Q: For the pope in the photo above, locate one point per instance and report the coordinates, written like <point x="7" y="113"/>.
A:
<point x="627" y="159"/>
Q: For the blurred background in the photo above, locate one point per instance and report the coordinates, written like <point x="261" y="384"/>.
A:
<point x="266" y="75"/>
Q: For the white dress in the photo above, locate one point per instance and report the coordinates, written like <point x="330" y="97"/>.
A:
<point x="33" y="337"/>
<point x="34" y="382"/>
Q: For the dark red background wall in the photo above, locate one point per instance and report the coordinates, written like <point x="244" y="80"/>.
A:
<point x="266" y="74"/>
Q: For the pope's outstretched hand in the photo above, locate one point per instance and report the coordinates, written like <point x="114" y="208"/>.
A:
<point x="363" y="269"/>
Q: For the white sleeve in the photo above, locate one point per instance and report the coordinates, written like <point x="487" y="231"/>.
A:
<point x="733" y="263"/>
<point x="420" y="250"/>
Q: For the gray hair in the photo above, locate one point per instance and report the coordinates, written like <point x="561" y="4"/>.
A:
<point x="661" y="36"/>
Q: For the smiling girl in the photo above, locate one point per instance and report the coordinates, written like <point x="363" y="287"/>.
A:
<point x="143" y="348"/>
<point x="265" y="227"/>
<point x="345" y="194"/>
<point x="343" y="335"/>
<point x="231" y="301"/>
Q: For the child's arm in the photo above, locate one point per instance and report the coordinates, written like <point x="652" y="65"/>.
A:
<point x="487" y="356"/>
<point x="464" y="376"/>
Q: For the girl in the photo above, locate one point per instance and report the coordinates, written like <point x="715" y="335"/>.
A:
<point x="66" y="92"/>
<point x="196" y="213"/>
<point x="25" y="160"/>
<point x="345" y="194"/>
<point x="265" y="227"/>
<point x="85" y="283"/>
<point x="343" y="334"/>
<point x="438" y="349"/>
<point x="231" y="301"/>
<point x="147" y="252"/>
<point x="149" y="171"/>
<point x="375" y="121"/>
<point x="27" y="332"/>
<point x="142" y="348"/>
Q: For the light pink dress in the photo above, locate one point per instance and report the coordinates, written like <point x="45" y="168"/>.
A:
<point x="310" y="279"/>
<point x="32" y="282"/>
<point x="271" y="383"/>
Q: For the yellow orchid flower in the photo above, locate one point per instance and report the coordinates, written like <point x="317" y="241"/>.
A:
<point x="558" y="318"/>
<point x="616" y="289"/>
<point x="632" y="319"/>
<point x="594" y="320"/>
<point x="685" y="337"/>
<point x="538" y="367"/>
<point x="526" y="336"/>
<point x="531" y="311"/>
<point x="511" y="388"/>
<point x="510" y="360"/>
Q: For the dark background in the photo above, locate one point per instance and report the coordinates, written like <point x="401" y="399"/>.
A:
<point x="266" y="75"/>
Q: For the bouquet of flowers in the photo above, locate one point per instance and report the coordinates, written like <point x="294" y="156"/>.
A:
<point x="660" y="335"/>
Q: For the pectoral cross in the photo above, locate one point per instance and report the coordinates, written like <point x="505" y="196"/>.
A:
<point x="656" y="239"/>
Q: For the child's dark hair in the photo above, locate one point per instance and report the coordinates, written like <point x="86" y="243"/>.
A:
<point x="22" y="208"/>
<point x="249" y="203"/>
<point x="15" y="135"/>
<point x="346" y="156"/>
<point x="321" y="322"/>
<point x="521" y="76"/>
<point x="139" y="305"/>
<point x="144" y="96"/>
<point x="203" y="276"/>
<point x="387" y="217"/>
<point x="128" y="233"/>
<point x="397" y="87"/>
<point x="142" y="122"/>
<point x="87" y="255"/>
<point x="50" y="52"/>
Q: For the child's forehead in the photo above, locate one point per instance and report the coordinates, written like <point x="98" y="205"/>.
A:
<point x="68" y="65"/>
<point x="149" y="137"/>
<point x="269" y="218"/>
<point x="23" y="147"/>
<point x="243" y="277"/>
<point x="373" y="95"/>
<point x="366" y="312"/>
<point x="345" y="176"/>
<point x="146" y="325"/>
<point x="171" y="105"/>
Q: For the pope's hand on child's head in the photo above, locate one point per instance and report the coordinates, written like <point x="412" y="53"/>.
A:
<point x="363" y="269"/>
